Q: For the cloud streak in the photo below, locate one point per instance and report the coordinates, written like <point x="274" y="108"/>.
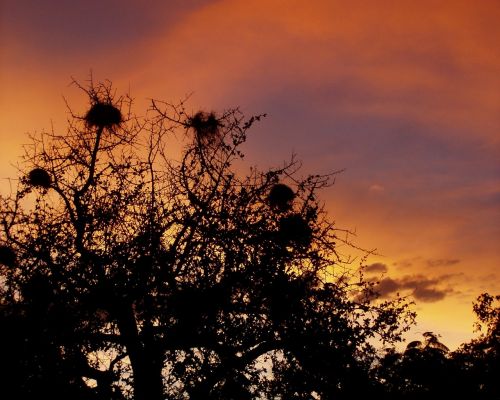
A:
<point x="442" y="262"/>
<point x="428" y="290"/>
<point x="376" y="268"/>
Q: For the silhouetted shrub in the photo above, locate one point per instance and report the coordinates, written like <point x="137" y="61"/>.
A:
<point x="281" y="197"/>
<point x="7" y="256"/>
<point x="39" y="177"/>
<point x="103" y="115"/>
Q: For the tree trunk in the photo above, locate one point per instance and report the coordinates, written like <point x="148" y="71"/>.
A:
<point x="147" y="364"/>
<point x="148" y="381"/>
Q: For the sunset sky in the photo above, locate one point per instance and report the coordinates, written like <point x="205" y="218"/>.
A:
<point x="403" y="95"/>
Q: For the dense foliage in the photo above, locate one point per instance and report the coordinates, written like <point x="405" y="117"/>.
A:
<point x="427" y="369"/>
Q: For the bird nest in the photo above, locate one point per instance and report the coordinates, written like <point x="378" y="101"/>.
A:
<point x="294" y="229"/>
<point x="7" y="256"/>
<point x="281" y="197"/>
<point x="206" y="126"/>
<point x="40" y="178"/>
<point x="103" y="115"/>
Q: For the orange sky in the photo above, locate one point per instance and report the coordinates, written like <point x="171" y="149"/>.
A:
<point x="404" y="95"/>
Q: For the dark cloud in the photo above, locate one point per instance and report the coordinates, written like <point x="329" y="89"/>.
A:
<point x="431" y="262"/>
<point x="422" y="288"/>
<point x="429" y="295"/>
<point x="90" y="25"/>
<point x="376" y="268"/>
<point x="408" y="262"/>
<point x="442" y="262"/>
<point x="387" y="286"/>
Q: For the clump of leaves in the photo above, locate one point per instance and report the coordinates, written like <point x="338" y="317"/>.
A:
<point x="7" y="256"/>
<point x="487" y="310"/>
<point x="431" y="342"/>
<point x="38" y="289"/>
<point x="40" y="178"/>
<point x="103" y="115"/>
<point x="281" y="197"/>
<point x="294" y="229"/>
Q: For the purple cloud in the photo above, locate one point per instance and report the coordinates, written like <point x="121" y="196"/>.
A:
<point x="424" y="289"/>
<point x="376" y="268"/>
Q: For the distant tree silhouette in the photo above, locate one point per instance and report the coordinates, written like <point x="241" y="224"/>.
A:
<point x="478" y="362"/>
<point x="427" y="369"/>
<point x="418" y="372"/>
<point x="131" y="270"/>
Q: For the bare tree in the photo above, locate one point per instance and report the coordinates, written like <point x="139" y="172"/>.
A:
<point x="130" y="269"/>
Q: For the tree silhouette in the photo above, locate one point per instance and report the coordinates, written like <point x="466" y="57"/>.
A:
<point x="478" y="362"/>
<point x="130" y="270"/>
<point x="428" y="369"/>
<point x="419" y="371"/>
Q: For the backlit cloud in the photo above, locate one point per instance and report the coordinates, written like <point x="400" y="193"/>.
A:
<point x="376" y="268"/>
<point x="420" y="287"/>
<point x="442" y="262"/>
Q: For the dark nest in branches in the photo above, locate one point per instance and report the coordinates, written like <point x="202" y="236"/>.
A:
<point x="293" y="229"/>
<point x="206" y="126"/>
<point x="281" y="197"/>
<point x="103" y="115"/>
<point x="7" y="256"/>
<point x="40" y="178"/>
